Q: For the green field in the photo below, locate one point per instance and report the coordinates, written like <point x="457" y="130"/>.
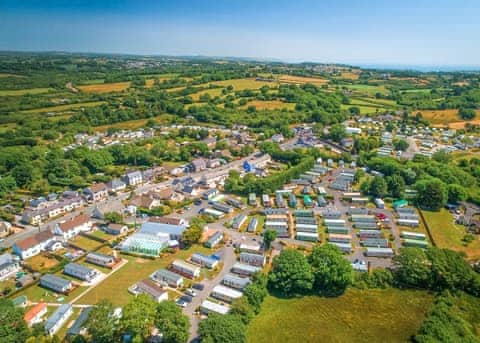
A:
<point x="363" y="109"/>
<point x="357" y="316"/>
<point x="368" y="89"/>
<point x="17" y="92"/>
<point x="447" y="234"/>
<point x="64" y="107"/>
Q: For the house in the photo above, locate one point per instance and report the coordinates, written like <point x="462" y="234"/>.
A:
<point x="96" y="192"/>
<point x="101" y="260"/>
<point x="164" y="194"/>
<point x="9" y="265"/>
<point x="115" y="229"/>
<point x="204" y="261"/>
<point x="278" y="138"/>
<point x="166" y="276"/>
<point x="80" y="272"/>
<point x="32" y="246"/>
<point x="151" y="289"/>
<point x="186" y="269"/>
<point x="5" y="228"/>
<point x="35" y="314"/>
<point x="71" y="228"/>
<point x="58" y="318"/>
<point x="145" y="201"/>
<point x="78" y="327"/>
<point x="69" y="203"/>
<point x="152" y="173"/>
<point x="191" y="191"/>
<point x="116" y="185"/>
<point x="198" y="165"/>
<point x="214" y="163"/>
<point x="56" y="283"/>
<point x="214" y="240"/>
<point x="133" y="178"/>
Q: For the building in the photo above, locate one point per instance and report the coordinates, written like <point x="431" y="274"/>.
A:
<point x="221" y="207"/>
<point x="20" y="301"/>
<point x="307" y="236"/>
<point x="198" y="165"/>
<point x="32" y="246"/>
<point x="244" y="269"/>
<point x="150" y="244"/>
<point x="266" y="200"/>
<point x="78" y="327"/>
<point x="209" y="306"/>
<point x="380" y="203"/>
<point x="101" y="260"/>
<point x="252" y="199"/>
<point x="37" y="216"/>
<point x="252" y="226"/>
<point x="133" y="178"/>
<point x="9" y="265"/>
<point x="35" y="314"/>
<point x="400" y="203"/>
<point x="145" y="201"/>
<point x="115" y="229"/>
<point x="251" y="248"/>
<point x="252" y="259"/>
<point x="71" y="228"/>
<point x="167" y="277"/>
<point x="204" y="261"/>
<point x="116" y="185"/>
<point x="211" y="193"/>
<point x="154" y="228"/>
<point x="58" y="318"/>
<point x="239" y="221"/>
<point x="96" y="192"/>
<point x="79" y="271"/>
<point x="379" y="252"/>
<point x="234" y="281"/>
<point x="149" y="288"/>
<point x="56" y="283"/>
<point x="169" y="220"/>
<point x="5" y="228"/>
<point x="186" y="269"/>
<point x="225" y="293"/>
<point x="214" y="240"/>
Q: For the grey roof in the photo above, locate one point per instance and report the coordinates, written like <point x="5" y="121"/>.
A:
<point x="167" y="274"/>
<point x="151" y="228"/>
<point x="215" y="236"/>
<point x="79" y="323"/>
<point x="55" y="317"/>
<point x="78" y="268"/>
<point x="99" y="256"/>
<point x="55" y="280"/>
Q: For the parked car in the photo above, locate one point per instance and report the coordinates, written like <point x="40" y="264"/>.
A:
<point x="190" y="292"/>
<point x="198" y="286"/>
<point x="181" y="303"/>
<point x="186" y="298"/>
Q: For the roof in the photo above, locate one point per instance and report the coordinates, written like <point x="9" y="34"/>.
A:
<point x="142" y="201"/>
<point x="150" y="287"/>
<point x="34" y="311"/>
<point x="229" y="292"/>
<point x="214" y="307"/>
<point x="115" y="226"/>
<point x="134" y="174"/>
<point x="73" y="223"/>
<point x="98" y="187"/>
<point x="168" y="274"/>
<point x="100" y="256"/>
<point x="152" y="228"/>
<point x="79" y="322"/>
<point x="56" y="280"/>
<point x="78" y="268"/>
<point x="36" y="239"/>
<point x="185" y="265"/>
<point x="166" y="220"/>
<point x="56" y="316"/>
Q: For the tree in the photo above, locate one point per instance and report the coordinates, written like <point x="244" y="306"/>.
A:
<point x="396" y="185"/>
<point x="467" y="113"/>
<point x="333" y="273"/>
<point x="456" y="193"/>
<point x="378" y="187"/>
<point x="256" y="291"/>
<point x="242" y="308"/>
<point x="194" y="232"/>
<point x="13" y="328"/>
<point x="101" y="323"/>
<point x="431" y="194"/>
<point x="412" y="267"/>
<point x="337" y="132"/>
<point x="113" y="217"/>
<point x="173" y="324"/>
<point x="138" y="316"/>
<point x="291" y="274"/>
<point x="268" y="237"/>
<point x="400" y="144"/>
<point x="222" y="328"/>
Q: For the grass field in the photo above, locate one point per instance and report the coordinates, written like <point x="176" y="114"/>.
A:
<point x="367" y="89"/>
<point x="105" y="87"/>
<point x="301" y="80"/>
<point x="64" y="107"/>
<point x="363" y="109"/>
<point x="447" y="234"/>
<point x="213" y="93"/>
<point x="114" y="288"/>
<point x="350" y="75"/>
<point x="37" y="294"/>
<point x="10" y="75"/>
<point x="447" y="117"/>
<point x="17" y="92"/>
<point x="270" y="105"/>
<point x="357" y="316"/>
<point x="241" y="84"/>
<point x="41" y="262"/>
<point x="85" y="243"/>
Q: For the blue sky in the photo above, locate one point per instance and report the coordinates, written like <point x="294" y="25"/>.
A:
<point x="403" y="32"/>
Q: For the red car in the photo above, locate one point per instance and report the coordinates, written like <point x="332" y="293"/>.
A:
<point x="381" y="216"/>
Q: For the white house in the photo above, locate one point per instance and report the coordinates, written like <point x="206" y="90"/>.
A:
<point x="58" y="318"/>
<point x="8" y="265"/>
<point x="71" y="228"/>
<point x="133" y="178"/>
<point x="96" y="192"/>
<point x="32" y="246"/>
<point x="35" y="314"/>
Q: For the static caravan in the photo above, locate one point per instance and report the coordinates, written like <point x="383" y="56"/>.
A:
<point x="366" y="225"/>
<point x="244" y="269"/>
<point x="307" y="236"/>
<point x="214" y="240"/>
<point x="225" y="293"/>
<point x="413" y="235"/>
<point x="334" y="222"/>
<point x="166" y="276"/>
<point x="415" y="243"/>
<point x="209" y="306"/>
<point x="370" y="234"/>
<point x="56" y="283"/>
<point x="213" y="213"/>
<point x="303" y="213"/>
<point x="408" y="222"/>
<point x="344" y="247"/>
<point x="375" y="242"/>
<point x="266" y="200"/>
<point x="339" y="238"/>
<point x="331" y="214"/>
<point x="238" y="221"/>
<point x="379" y="252"/>
<point x="204" y="261"/>
<point x="350" y="195"/>
<point x="305" y="220"/>
<point x="338" y="229"/>
<point x="80" y="272"/>
<point x="237" y="282"/>
<point x="186" y="269"/>
<point x="252" y="199"/>
<point x="292" y="200"/>
<point x="379" y="203"/>
<point x="406" y="210"/>
<point x="407" y="215"/>
<point x="252" y="226"/>
<point x="359" y="200"/>
<point x="252" y="259"/>
<point x="251" y="248"/>
<point x="101" y="259"/>
<point x="306" y="227"/>
<point x="221" y="207"/>
<point x="58" y="318"/>
<point x="357" y="210"/>
<point x="363" y="218"/>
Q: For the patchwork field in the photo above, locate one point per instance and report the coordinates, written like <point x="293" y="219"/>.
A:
<point x="60" y="108"/>
<point x="270" y="105"/>
<point x="18" y="92"/>
<point x="105" y="87"/>
<point x="301" y="80"/>
<point x="241" y="84"/>
<point x="357" y="316"/>
<point x="447" y="234"/>
<point x="213" y="93"/>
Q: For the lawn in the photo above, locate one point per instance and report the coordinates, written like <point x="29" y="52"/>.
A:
<point x="37" y="293"/>
<point x="41" y="261"/>
<point x="16" y="92"/>
<point x="241" y="84"/>
<point x="357" y="316"/>
<point x="64" y="107"/>
<point x="85" y="243"/>
<point x="270" y="105"/>
<point x="447" y="234"/>
<point x="115" y="287"/>
<point x="105" y="87"/>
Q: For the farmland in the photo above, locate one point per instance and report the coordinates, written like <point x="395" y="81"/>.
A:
<point x="301" y="80"/>
<point x="269" y="105"/>
<point x="105" y="87"/>
<point x="387" y="313"/>
<point x="60" y="108"/>
<point x="242" y="84"/>
<point x="19" y="92"/>
<point x="445" y="117"/>
<point x="447" y="234"/>
<point x="367" y="89"/>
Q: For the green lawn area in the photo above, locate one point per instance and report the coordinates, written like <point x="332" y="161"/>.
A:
<point x="17" y="92"/>
<point x="102" y="235"/>
<point x="447" y="234"/>
<point x="363" y="109"/>
<point x="388" y="315"/>
<point x="85" y="243"/>
<point x="115" y="287"/>
<point x="37" y="293"/>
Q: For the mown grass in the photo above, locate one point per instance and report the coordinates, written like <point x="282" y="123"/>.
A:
<point x="64" y="107"/>
<point x="388" y="315"/>
<point x="447" y="234"/>
<point x="18" y="92"/>
<point x="85" y="243"/>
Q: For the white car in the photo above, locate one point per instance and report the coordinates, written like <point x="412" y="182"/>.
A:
<point x="190" y="292"/>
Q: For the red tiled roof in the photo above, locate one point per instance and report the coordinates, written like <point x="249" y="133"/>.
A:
<point x="34" y="311"/>
<point x="29" y="242"/>
<point x="98" y="187"/>
<point x="75" y="222"/>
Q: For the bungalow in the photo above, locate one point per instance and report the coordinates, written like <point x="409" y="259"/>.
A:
<point x="144" y="201"/>
<point x="35" y="314"/>
<point x="80" y="272"/>
<point x="189" y="270"/>
<point x="96" y="192"/>
<point x="71" y="228"/>
<point x="58" y="318"/>
<point x="170" y="278"/>
<point x="116" y="185"/>
<point x="133" y="178"/>
<point x="56" y="283"/>
<point x="101" y="260"/>
<point x="32" y="246"/>
<point x="8" y="265"/>
<point x="115" y="229"/>
<point x="151" y="289"/>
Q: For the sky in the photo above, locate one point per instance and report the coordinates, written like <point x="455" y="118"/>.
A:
<point x="360" y="32"/>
